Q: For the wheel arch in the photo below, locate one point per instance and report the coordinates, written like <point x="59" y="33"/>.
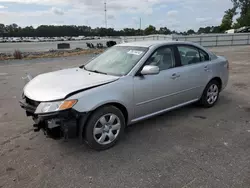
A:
<point x="83" y="121"/>
<point x="217" y="79"/>
<point x="118" y="105"/>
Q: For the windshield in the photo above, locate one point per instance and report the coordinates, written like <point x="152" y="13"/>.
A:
<point x="118" y="60"/>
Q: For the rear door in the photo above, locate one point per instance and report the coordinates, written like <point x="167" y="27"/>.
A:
<point x="194" y="72"/>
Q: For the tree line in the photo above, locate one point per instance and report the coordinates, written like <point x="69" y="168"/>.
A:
<point x="241" y="7"/>
<point x="14" y="30"/>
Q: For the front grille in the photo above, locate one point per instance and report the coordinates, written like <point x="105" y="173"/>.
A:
<point x="32" y="102"/>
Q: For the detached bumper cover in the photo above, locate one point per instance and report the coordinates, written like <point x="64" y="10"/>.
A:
<point x="30" y="108"/>
<point x="55" y="125"/>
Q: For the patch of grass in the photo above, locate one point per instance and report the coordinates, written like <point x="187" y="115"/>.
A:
<point x="17" y="54"/>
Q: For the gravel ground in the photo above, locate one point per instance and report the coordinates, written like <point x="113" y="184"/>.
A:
<point x="189" y="147"/>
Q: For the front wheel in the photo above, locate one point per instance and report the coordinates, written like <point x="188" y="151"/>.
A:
<point x="104" y="128"/>
<point x="211" y="94"/>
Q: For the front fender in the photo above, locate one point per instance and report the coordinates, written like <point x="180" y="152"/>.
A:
<point x="120" y="91"/>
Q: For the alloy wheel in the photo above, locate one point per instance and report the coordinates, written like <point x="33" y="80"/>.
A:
<point x="212" y="94"/>
<point x="106" y="129"/>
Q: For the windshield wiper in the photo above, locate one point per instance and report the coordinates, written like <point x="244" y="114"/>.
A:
<point x="83" y="67"/>
<point x="96" y="71"/>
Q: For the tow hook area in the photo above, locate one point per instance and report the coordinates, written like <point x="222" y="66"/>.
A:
<point x="38" y="125"/>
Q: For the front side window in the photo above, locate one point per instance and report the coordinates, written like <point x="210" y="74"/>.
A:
<point x="163" y="58"/>
<point x="118" y="60"/>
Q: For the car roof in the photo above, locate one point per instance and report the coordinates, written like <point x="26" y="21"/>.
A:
<point x="148" y="44"/>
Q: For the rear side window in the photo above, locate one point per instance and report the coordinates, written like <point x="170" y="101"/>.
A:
<point x="204" y="56"/>
<point x="191" y="55"/>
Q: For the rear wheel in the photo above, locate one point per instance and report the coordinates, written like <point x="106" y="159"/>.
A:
<point x="104" y="128"/>
<point x="211" y="94"/>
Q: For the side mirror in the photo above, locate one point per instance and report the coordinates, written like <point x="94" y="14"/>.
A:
<point x="150" y="70"/>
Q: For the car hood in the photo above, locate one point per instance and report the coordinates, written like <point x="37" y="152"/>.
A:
<point x="57" y="85"/>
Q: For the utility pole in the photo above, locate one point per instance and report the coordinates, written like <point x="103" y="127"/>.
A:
<point x="140" y="23"/>
<point x="105" y="10"/>
<point x="140" y="27"/>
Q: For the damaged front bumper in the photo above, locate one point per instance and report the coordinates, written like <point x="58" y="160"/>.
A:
<point x="62" y="124"/>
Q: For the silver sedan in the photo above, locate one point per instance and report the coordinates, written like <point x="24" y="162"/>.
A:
<point x="127" y="83"/>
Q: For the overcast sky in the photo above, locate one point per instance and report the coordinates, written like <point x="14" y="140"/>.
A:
<point x="174" y="14"/>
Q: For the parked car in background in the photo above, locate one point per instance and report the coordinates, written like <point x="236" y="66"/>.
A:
<point x="127" y="83"/>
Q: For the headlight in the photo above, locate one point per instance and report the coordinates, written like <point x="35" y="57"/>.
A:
<point x="46" y="107"/>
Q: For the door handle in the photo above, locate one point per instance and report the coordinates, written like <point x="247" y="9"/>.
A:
<point x="174" y="76"/>
<point x="206" y="68"/>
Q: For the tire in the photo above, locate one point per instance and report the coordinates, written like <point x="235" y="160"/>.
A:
<point x="104" y="128"/>
<point x="210" y="94"/>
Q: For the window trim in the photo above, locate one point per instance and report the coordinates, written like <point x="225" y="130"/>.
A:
<point x="194" y="47"/>
<point x="177" y="62"/>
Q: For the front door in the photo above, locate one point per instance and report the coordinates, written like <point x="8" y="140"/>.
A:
<point x="154" y="93"/>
